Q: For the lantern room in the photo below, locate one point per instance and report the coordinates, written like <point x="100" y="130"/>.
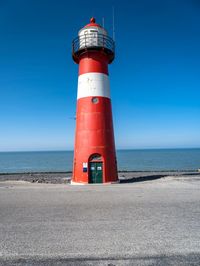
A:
<point x="93" y="37"/>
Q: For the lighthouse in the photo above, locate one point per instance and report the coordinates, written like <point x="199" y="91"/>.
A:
<point x="94" y="150"/>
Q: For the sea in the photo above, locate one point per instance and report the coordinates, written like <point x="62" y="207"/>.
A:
<point x="128" y="160"/>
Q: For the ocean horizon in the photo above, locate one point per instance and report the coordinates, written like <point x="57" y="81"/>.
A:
<point x="180" y="159"/>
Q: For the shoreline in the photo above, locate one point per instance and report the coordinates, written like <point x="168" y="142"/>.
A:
<point x="65" y="177"/>
<point x="119" y="171"/>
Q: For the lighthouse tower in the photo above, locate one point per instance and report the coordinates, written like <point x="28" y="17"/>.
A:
<point x="94" y="151"/>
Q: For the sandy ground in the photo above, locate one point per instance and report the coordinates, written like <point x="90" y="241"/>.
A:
<point x="154" y="222"/>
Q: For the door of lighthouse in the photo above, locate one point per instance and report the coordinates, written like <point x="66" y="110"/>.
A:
<point x="96" y="172"/>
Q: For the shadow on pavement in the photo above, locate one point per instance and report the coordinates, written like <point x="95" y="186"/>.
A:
<point x="141" y="178"/>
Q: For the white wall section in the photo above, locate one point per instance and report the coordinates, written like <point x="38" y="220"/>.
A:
<point x="93" y="84"/>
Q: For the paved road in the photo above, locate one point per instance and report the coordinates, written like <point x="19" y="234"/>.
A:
<point x="148" y="223"/>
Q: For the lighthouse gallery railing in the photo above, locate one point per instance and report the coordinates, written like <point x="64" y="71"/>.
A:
<point x="93" y="41"/>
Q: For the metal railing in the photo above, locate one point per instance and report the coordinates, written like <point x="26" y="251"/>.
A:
<point x="92" y="41"/>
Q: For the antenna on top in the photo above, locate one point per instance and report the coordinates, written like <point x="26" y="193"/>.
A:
<point x="103" y="22"/>
<point x="113" y="18"/>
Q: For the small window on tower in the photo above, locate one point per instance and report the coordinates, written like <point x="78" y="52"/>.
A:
<point x="95" y="100"/>
<point x="95" y="157"/>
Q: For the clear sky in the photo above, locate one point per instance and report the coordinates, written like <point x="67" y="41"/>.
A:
<point x="155" y="78"/>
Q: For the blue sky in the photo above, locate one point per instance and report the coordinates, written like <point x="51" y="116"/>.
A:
<point x="155" y="78"/>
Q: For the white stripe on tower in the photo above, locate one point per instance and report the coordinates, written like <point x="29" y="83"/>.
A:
<point x="93" y="84"/>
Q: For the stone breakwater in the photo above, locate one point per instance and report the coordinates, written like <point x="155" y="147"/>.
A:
<point x="65" y="177"/>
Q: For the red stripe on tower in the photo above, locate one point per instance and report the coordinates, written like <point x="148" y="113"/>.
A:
<point x="94" y="151"/>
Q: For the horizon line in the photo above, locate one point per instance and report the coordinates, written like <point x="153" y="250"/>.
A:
<point x="120" y="149"/>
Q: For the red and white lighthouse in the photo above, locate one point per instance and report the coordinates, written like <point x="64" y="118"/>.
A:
<point x="94" y="151"/>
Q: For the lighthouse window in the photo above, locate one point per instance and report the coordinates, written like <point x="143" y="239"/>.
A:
<point x="95" y="100"/>
<point x="95" y="157"/>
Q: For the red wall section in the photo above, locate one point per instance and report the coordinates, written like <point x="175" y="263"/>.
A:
<point x="93" y="62"/>
<point x="94" y="134"/>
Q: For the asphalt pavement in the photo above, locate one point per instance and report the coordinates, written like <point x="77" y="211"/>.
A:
<point x="146" y="223"/>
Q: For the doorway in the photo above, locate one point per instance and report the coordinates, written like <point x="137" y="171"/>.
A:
<point x="95" y="172"/>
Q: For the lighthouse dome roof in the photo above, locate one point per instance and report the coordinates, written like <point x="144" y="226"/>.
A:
<point x="93" y="26"/>
<point x="93" y="23"/>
